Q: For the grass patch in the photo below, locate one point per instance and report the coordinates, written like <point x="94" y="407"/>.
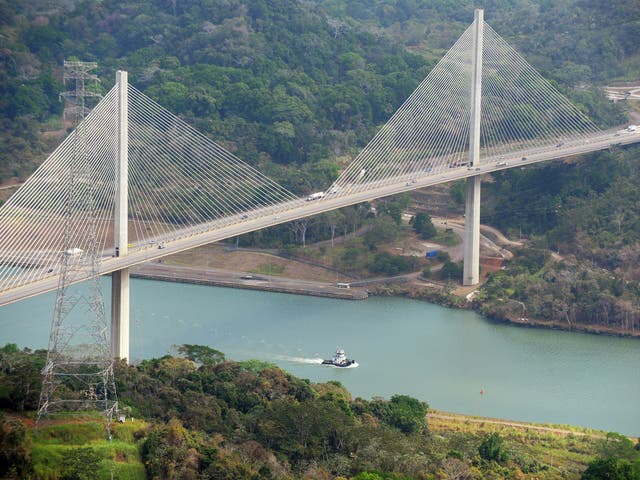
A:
<point x="446" y="237"/>
<point x="71" y="433"/>
<point x="269" y="269"/>
<point x="122" y="471"/>
<point x="540" y="454"/>
<point x="64" y="449"/>
<point x="52" y="124"/>
<point x="129" y="431"/>
<point x="56" y="461"/>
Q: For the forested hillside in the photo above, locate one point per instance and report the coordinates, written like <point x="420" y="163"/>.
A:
<point x="291" y="82"/>
<point x="576" y="42"/>
<point x="200" y="416"/>
<point x="269" y="80"/>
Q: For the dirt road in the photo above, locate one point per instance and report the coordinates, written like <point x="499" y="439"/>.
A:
<point x="488" y="246"/>
<point x="519" y="425"/>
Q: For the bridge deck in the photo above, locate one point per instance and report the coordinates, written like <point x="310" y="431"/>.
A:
<point x="296" y="209"/>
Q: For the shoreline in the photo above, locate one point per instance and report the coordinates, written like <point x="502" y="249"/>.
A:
<point x="445" y="301"/>
<point x="574" y="327"/>
<point x="271" y="283"/>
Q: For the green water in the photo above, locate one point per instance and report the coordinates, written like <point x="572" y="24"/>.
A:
<point x="442" y="356"/>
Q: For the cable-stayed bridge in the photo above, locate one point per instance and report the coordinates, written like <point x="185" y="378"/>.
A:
<point x="156" y="186"/>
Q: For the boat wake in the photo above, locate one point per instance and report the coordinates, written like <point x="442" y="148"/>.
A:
<point x="287" y="358"/>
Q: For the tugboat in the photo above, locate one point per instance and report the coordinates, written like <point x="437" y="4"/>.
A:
<point x="340" y="360"/>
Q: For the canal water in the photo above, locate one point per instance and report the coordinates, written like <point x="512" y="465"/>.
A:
<point x="454" y="360"/>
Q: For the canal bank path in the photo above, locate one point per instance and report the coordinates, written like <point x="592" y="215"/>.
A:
<point x="226" y="278"/>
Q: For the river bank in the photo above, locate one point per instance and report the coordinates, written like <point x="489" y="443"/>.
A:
<point x="569" y="327"/>
<point x="458" y="300"/>
<point x="408" y="288"/>
<point x="442" y="422"/>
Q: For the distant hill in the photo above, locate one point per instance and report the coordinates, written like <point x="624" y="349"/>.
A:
<point x="288" y="81"/>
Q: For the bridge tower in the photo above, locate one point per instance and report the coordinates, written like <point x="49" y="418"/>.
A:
<point x="120" y="278"/>
<point x="471" y="270"/>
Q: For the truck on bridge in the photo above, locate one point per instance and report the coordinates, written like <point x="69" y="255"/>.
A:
<point x="315" y="196"/>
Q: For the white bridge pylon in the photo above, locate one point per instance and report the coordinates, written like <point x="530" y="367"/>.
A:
<point x="481" y="103"/>
<point x="184" y="190"/>
<point x="431" y="132"/>
<point x="179" y="182"/>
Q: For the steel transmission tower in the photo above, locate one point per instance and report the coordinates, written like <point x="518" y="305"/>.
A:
<point x="78" y="375"/>
<point x="78" y="73"/>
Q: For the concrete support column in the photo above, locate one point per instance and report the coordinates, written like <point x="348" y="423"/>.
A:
<point x="120" y="279"/>
<point x="120" y="314"/>
<point x="471" y="274"/>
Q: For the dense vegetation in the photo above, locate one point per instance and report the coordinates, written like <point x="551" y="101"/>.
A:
<point x="270" y="80"/>
<point x="289" y="82"/>
<point x="574" y="210"/>
<point x="204" y="417"/>
<point x="575" y="42"/>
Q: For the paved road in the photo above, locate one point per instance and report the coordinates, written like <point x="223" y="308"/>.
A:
<point x="487" y="246"/>
<point x="269" y="216"/>
<point x="226" y="278"/>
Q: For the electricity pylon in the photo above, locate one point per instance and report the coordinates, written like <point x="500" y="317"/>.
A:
<point x="78" y="375"/>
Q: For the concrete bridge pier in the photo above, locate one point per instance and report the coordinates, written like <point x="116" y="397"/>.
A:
<point x="120" y="314"/>
<point x="120" y="278"/>
<point x="471" y="269"/>
<point x="471" y="273"/>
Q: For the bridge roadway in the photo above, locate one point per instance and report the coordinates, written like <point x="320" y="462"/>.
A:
<point x="293" y="210"/>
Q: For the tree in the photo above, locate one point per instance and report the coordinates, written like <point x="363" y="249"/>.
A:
<point x="368" y="476"/>
<point x="353" y="216"/>
<point x="451" y="271"/>
<point x="382" y="230"/>
<point x="455" y="468"/>
<point x="333" y="219"/>
<point x="617" y="446"/>
<point x="200" y="354"/>
<point x="423" y="225"/>
<point x="388" y="264"/>
<point x="407" y="413"/>
<point x="21" y="378"/>
<point x="426" y="272"/>
<point x="612" y="469"/>
<point x="170" y="452"/>
<point x="81" y="464"/>
<point x="305" y="430"/>
<point x="457" y="192"/>
<point x="15" y="461"/>
<point x="492" y="448"/>
<point x="299" y="229"/>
